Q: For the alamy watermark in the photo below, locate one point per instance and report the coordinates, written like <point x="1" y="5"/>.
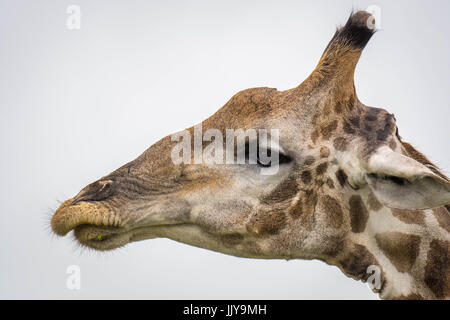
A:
<point x="374" y="280"/>
<point x="374" y="21"/>
<point x="73" y="281"/>
<point x="73" y="21"/>
<point x="252" y="147"/>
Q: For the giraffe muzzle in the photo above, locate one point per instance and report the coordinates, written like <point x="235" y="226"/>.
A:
<point x="72" y="214"/>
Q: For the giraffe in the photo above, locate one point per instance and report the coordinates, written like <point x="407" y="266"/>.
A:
<point x="348" y="191"/>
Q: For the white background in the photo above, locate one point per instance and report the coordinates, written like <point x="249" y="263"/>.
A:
<point x="75" y="105"/>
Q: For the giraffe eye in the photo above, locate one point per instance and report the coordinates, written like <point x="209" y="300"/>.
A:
<point x="278" y="157"/>
<point x="266" y="157"/>
<point x="261" y="162"/>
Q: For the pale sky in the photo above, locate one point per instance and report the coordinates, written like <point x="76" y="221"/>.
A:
<point x="75" y="105"/>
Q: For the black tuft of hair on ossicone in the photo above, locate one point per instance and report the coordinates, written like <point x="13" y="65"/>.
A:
<point x="357" y="31"/>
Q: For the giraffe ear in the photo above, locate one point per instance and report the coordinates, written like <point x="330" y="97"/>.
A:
<point x="403" y="183"/>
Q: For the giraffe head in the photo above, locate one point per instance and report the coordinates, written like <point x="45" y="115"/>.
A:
<point x="342" y="176"/>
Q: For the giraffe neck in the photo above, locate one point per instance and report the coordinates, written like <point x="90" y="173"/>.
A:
<point x="410" y="248"/>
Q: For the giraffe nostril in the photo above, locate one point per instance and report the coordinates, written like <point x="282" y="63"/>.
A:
<point x="97" y="191"/>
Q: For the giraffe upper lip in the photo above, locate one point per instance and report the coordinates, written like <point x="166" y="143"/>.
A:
<point x="97" y="227"/>
<point x="73" y="213"/>
<point x="93" y="224"/>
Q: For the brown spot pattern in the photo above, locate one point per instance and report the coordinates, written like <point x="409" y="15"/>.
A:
<point x="356" y="260"/>
<point x="341" y="176"/>
<point x="321" y="168"/>
<point x="373" y="202"/>
<point x="324" y="152"/>
<point x="330" y="183"/>
<point x="328" y="130"/>
<point x="401" y="249"/>
<point x="333" y="211"/>
<point x="443" y="217"/>
<point x="267" y="222"/>
<point x="358" y="214"/>
<point x="410" y="217"/>
<point x="382" y="135"/>
<point x="309" y="160"/>
<point x="305" y="207"/>
<point x="338" y="107"/>
<point x="348" y="128"/>
<point x="437" y="270"/>
<point x="306" y="177"/>
<point x="355" y="122"/>
<point x="283" y="191"/>
<point x="370" y="117"/>
<point x="340" y="144"/>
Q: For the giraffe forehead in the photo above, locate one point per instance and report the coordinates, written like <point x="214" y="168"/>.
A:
<point x="302" y="124"/>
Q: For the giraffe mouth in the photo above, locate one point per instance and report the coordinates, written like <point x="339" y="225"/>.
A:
<point x="108" y="238"/>
<point x="95" y="226"/>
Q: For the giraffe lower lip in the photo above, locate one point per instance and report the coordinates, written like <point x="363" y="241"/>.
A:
<point x="100" y="237"/>
<point x="108" y="238"/>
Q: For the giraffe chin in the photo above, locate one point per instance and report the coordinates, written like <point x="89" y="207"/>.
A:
<point x="110" y="238"/>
